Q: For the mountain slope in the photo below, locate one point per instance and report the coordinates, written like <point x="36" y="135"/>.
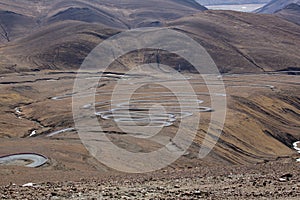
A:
<point x="238" y="43"/>
<point x="68" y="43"/>
<point x="116" y="13"/>
<point x="244" y="42"/>
<point x="88" y="15"/>
<point x="13" y="25"/>
<point x="27" y="25"/>
<point x="290" y="13"/>
<point x="262" y="120"/>
<point x="276" y="5"/>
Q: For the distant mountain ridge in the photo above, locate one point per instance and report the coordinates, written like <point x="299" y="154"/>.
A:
<point x="59" y="34"/>
<point x="276" y="5"/>
<point x="290" y="13"/>
<point x="115" y="13"/>
<point x="71" y="29"/>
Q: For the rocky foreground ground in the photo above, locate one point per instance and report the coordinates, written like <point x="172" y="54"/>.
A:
<point x="272" y="180"/>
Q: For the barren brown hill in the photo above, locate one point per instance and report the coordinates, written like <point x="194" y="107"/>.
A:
<point x="14" y="25"/>
<point x="238" y="42"/>
<point x="115" y="13"/>
<point x="244" y="42"/>
<point x="27" y="25"/>
<point x="68" y="43"/>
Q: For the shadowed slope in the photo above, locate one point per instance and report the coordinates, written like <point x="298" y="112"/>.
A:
<point x="58" y="46"/>
<point x="244" y="42"/>
<point x="276" y="5"/>
<point x="135" y="13"/>
<point x="36" y="23"/>
<point x="13" y="25"/>
<point x="115" y="13"/>
<point x="86" y="15"/>
<point x="290" y="13"/>
<point x="238" y="42"/>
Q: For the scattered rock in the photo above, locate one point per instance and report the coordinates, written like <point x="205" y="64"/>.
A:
<point x="285" y="177"/>
<point x="33" y="133"/>
<point x="28" y="185"/>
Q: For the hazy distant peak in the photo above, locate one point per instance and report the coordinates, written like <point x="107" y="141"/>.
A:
<point x="276" y="5"/>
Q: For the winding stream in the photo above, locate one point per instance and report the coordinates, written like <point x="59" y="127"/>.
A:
<point x="60" y="131"/>
<point x="141" y="110"/>
<point x="24" y="159"/>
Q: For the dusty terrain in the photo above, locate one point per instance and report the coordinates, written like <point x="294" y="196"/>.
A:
<point x="263" y="181"/>
<point x="42" y="46"/>
<point x="261" y="125"/>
